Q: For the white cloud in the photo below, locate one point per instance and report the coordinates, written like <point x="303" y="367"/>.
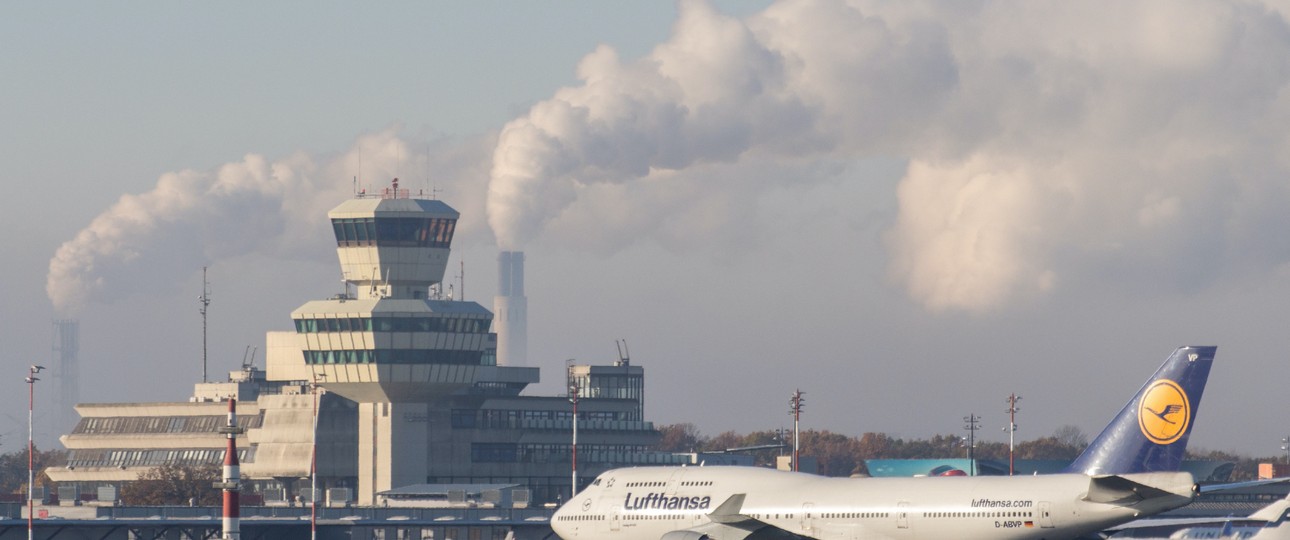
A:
<point x="970" y="236"/>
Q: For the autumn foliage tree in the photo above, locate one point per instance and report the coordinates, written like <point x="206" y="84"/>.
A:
<point x="680" y="438"/>
<point x="174" y="485"/>
<point x="13" y="468"/>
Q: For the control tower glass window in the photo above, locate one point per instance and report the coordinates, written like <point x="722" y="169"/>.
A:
<point x="457" y="325"/>
<point x="394" y="356"/>
<point x="394" y="232"/>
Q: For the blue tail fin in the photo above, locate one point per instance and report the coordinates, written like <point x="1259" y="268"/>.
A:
<point x="1151" y="433"/>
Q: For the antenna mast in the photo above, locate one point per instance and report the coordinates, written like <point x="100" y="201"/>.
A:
<point x="205" y="299"/>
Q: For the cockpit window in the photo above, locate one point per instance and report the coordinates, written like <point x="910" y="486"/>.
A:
<point x="596" y="483"/>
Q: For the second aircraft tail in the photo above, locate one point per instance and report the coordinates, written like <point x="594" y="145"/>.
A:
<point x="1150" y="434"/>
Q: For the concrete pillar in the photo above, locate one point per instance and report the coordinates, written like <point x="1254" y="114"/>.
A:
<point x="392" y="442"/>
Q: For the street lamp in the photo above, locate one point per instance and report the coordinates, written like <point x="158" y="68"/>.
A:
<point x="313" y="460"/>
<point x="31" y="474"/>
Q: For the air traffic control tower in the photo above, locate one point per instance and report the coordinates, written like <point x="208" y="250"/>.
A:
<point x="391" y="343"/>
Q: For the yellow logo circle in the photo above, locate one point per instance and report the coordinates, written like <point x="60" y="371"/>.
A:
<point x="1164" y="412"/>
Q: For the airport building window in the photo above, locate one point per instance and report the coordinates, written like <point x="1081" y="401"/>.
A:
<point x="394" y="232"/>
<point x="614" y="385"/>
<point x="125" y="425"/>
<point x="86" y="458"/>
<point x="463" y="418"/>
<point x="458" y="325"/>
<point x="553" y="420"/>
<point x="493" y="452"/>
<point x="588" y="453"/>
<point x="393" y="356"/>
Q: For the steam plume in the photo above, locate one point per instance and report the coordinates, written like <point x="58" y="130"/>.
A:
<point x="1047" y="143"/>
<point x="193" y="217"/>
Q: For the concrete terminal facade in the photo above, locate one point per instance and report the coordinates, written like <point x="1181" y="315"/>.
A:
<point x="410" y="390"/>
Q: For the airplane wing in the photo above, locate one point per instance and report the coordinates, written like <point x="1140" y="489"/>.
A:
<point x="1271" y="515"/>
<point x="727" y="523"/>
<point x="1212" y="488"/>
<point x="1145" y="490"/>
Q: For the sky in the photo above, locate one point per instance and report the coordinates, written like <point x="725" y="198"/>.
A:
<point x="907" y="210"/>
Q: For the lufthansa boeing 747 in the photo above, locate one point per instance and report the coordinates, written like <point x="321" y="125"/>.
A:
<point x="1129" y="471"/>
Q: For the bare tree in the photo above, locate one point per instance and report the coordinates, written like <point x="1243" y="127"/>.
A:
<point x="174" y="485"/>
<point x="683" y="437"/>
<point x="1071" y="436"/>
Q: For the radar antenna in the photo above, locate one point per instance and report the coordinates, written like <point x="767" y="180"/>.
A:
<point x="205" y="300"/>
<point x="461" y="279"/>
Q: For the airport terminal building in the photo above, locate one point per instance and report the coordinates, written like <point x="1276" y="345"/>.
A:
<point x="395" y="383"/>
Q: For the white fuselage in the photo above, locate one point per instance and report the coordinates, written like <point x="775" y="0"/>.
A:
<point x="646" y="503"/>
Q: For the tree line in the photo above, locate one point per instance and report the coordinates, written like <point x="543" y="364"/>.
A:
<point x="837" y="454"/>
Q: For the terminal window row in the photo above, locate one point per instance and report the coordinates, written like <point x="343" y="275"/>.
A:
<point x="148" y="458"/>
<point x="626" y="387"/>
<point x="556" y="425"/>
<point x="118" y="425"/>
<point x="394" y="232"/>
<point x="551" y="453"/>
<point x="443" y="533"/>
<point x="395" y="356"/>
<point x="515" y="419"/>
<point x="458" y="325"/>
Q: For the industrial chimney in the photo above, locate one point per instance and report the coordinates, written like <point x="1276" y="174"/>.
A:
<point x="510" y="310"/>
<point x="66" y="351"/>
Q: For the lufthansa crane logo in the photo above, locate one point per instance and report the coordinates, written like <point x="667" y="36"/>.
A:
<point x="1164" y="412"/>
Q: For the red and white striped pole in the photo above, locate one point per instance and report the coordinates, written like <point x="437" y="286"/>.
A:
<point x="232" y="477"/>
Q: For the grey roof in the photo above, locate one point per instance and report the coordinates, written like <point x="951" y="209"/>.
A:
<point x="369" y="206"/>
<point x="392" y="305"/>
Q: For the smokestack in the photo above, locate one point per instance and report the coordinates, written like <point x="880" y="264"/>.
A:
<point x="232" y="477"/>
<point x="66" y="350"/>
<point x="510" y="310"/>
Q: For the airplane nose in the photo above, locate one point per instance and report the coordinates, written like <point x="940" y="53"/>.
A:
<point x="559" y="525"/>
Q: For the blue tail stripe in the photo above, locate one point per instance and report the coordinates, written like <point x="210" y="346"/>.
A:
<point x="1124" y="446"/>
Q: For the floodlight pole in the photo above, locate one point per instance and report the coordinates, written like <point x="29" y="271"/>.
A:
<point x="313" y="461"/>
<point x="1012" y="431"/>
<point x="31" y="432"/>
<point x="796" y="402"/>
<point x="573" y="397"/>
<point x="973" y="423"/>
